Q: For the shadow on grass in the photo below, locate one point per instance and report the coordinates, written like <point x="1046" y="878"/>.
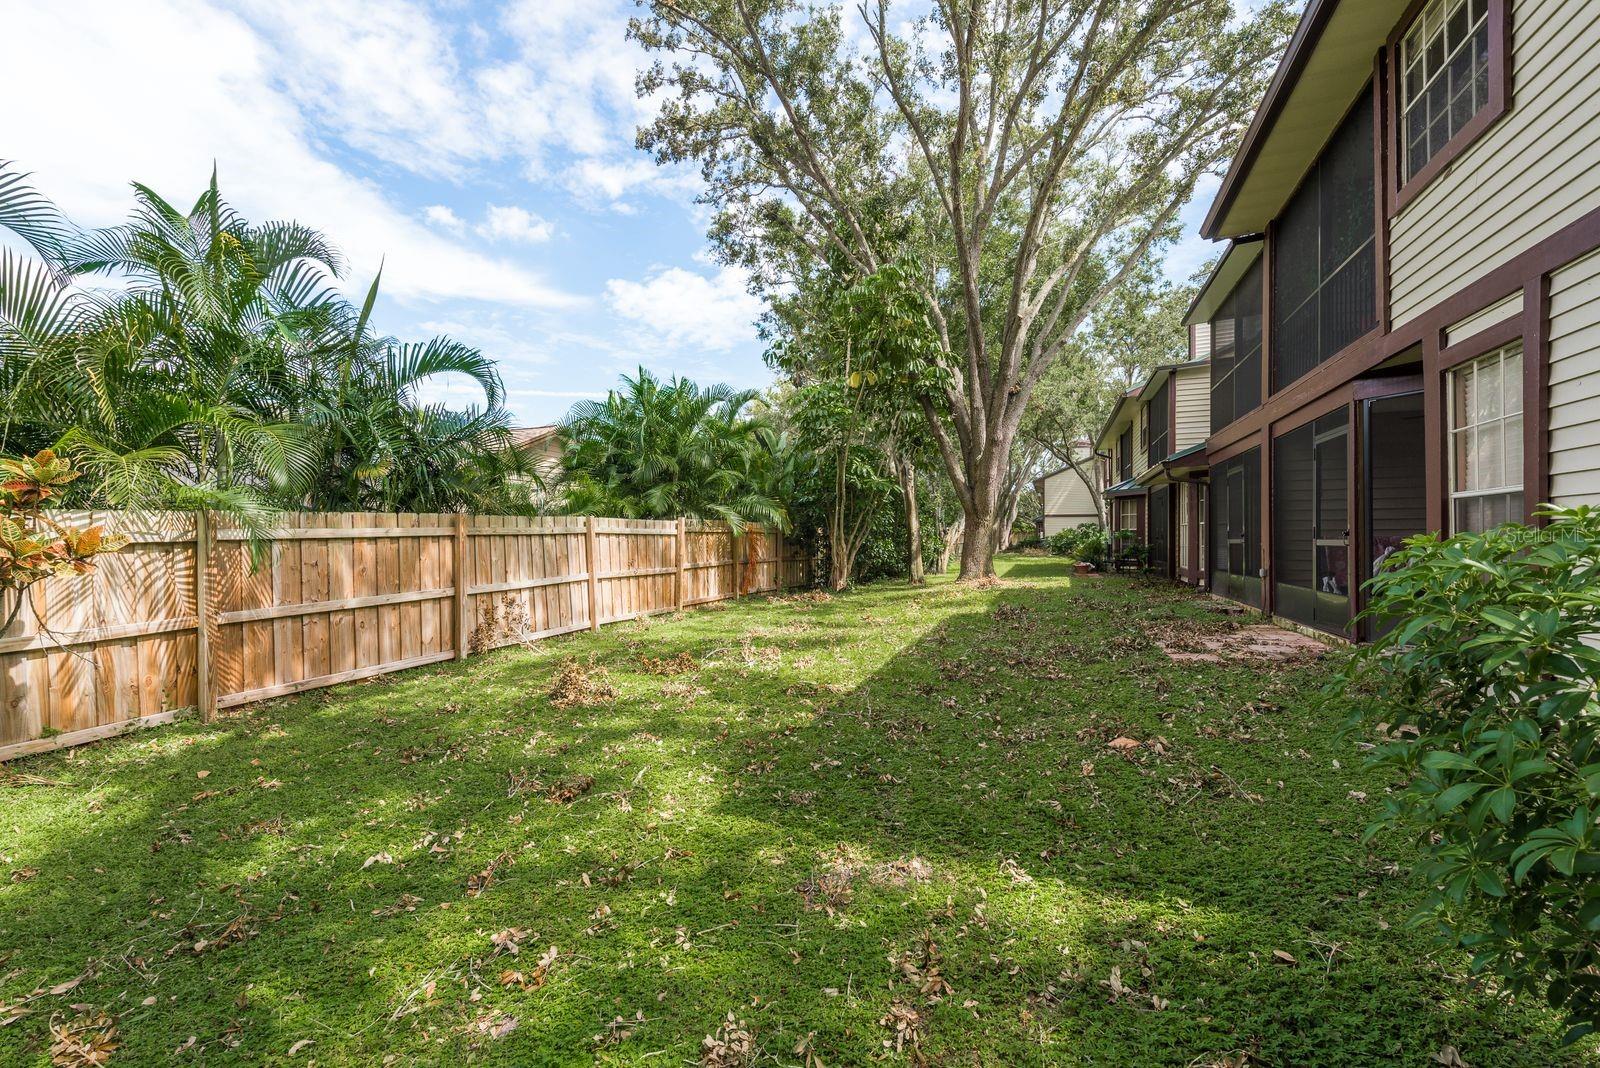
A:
<point x="779" y="833"/>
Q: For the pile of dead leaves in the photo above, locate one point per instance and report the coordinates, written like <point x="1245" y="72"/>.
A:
<point x="906" y="1024"/>
<point x="581" y="685"/>
<point x="84" y="1041"/>
<point x="681" y="664"/>
<point x="829" y="890"/>
<point x="731" y="1046"/>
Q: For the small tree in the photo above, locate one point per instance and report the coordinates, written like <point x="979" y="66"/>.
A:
<point x="33" y="546"/>
<point x="1485" y="701"/>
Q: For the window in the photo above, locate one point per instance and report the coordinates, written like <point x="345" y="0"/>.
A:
<point x="1324" y="254"/>
<point x="1236" y="352"/>
<point x="1156" y="425"/>
<point x="1125" y="455"/>
<point x="1486" y="441"/>
<point x="1444" y="77"/>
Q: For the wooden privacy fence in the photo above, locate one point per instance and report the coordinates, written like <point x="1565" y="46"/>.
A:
<point x="192" y="614"/>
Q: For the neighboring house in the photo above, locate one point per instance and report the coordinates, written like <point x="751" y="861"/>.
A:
<point x="1406" y="322"/>
<point x="543" y="443"/>
<point x="1153" y="451"/>
<point x="1116" y="448"/>
<point x="1066" y="501"/>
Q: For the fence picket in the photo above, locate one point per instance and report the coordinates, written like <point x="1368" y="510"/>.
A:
<point x="192" y="614"/>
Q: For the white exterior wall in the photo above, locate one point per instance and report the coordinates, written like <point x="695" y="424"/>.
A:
<point x="1575" y="382"/>
<point x="1193" y="424"/>
<point x="1535" y="171"/>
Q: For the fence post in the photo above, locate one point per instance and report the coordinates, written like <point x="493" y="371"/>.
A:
<point x="780" y="569"/>
<point x="594" y="574"/>
<point x="678" y="558"/>
<point x="461" y="585"/>
<point x="738" y="571"/>
<point x="205" y="698"/>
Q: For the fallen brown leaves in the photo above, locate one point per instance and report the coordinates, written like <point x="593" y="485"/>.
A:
<point x="580" y="685"/>
<point x="478" y="882"/>
<point x="730" y="1046"/>
<point x="86" y="1040"/>
<point x="681" y="664"/>
<point x="906" y="1024"/>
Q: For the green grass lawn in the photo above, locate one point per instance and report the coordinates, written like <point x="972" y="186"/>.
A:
<point x="889" y="818"/>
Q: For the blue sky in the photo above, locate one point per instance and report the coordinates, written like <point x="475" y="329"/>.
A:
<point x="482" y="152"/>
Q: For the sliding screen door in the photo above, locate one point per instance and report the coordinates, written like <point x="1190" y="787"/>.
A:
<point x="1311" y="523"/>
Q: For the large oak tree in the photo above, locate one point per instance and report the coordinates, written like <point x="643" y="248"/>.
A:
<point x="1027" y="153"/>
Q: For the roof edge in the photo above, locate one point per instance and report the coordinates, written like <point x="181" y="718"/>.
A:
<point x="1301" y="44"/>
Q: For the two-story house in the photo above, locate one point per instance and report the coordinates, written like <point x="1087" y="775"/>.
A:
<point x="1152" y="447"/>
<point x="1406" y="322"/>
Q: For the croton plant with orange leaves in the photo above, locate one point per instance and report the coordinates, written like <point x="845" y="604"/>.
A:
<point x="34" y="546"/>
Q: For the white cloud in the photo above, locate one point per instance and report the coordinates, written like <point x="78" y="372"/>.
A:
<point x="442" y="216"/>
<point x="511" y="223"/>
<point x="212" y="81"/>
<point x="382" y="74"/>
<point x="689" y="310"/>
<point x="594" y="181"/>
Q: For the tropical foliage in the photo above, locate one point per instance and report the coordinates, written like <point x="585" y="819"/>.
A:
<point x="34" y="545"/>
<point x="658" y="449"/>
<point x="221" y="368"/>
<point x="1484" y="700"/>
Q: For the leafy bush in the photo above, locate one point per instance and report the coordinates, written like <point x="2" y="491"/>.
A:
<point x="1485" y="700"/>
<point x="1085" y="542"/>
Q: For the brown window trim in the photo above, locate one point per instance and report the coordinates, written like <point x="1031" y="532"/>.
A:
<point x="1532" y="329"/>
<point x="1403" y="193"/>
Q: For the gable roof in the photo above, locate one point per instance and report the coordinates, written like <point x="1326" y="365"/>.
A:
<point x="1330" y="57"/>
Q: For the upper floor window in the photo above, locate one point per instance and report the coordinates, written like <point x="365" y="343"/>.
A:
<point x="1486" y="441"/>
<point x="1444" y="77"/>
<point x="1157" y="429"/>
<point x="1236" y="352"/>
<point x="1324" y="253"/>
<point x="1125" y="454"/>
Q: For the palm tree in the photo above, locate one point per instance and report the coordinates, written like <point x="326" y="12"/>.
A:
<point x="656" y="450"/>
<point x="227" y="372"/>
<point x="378" y="446"/>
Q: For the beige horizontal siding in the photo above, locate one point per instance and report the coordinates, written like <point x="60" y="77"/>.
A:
<point x="1536" y="171"/>
<point x="1194" y="408"/>
<point x="1067" y="497"/>
<point x="1141" y="455"/>
<point x="1493" y="315"/>
<point x="1575" y="383"/>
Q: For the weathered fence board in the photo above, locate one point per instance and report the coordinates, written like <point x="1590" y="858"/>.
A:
<point x="194" y="614"/>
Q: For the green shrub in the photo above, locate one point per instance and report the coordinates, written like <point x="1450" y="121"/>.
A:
<point x="1085" y="542"/>
<point x="1483" y="696"/>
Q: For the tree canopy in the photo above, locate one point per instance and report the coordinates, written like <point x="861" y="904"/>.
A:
<point x="1025" y="155"/>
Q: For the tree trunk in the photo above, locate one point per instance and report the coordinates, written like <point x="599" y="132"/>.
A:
<point x="907" y="475"/>
<point x="947" y="547"/>
<point x="838" y="569"/>
<point x="977" y="546"/>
